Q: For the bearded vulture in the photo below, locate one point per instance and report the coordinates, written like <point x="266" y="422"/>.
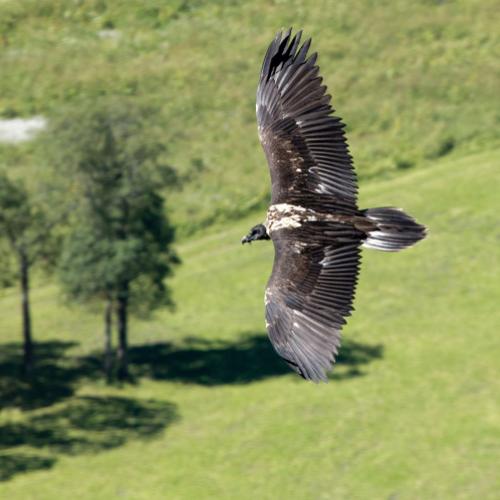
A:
<point x="313" y="221"/>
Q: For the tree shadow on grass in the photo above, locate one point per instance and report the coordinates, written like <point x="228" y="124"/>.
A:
<point x="243" y="360"/>
<point x="85" y="425"/>
<point x="89" y="424"/>
<point x="249" y="359"/>
<point x="12" y="464"/>
<point x="55" y="376"/>
<point x="353" y="356"/>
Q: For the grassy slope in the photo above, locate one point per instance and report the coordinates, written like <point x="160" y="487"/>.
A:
<point x="413" y="80"/>
<point x="411" y="412"/>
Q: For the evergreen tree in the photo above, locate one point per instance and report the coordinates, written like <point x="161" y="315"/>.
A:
<point x="26" y="234"/>
<point x="118" y="248"/>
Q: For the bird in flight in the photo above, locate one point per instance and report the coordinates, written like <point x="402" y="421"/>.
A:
<point x="313" y="221"/>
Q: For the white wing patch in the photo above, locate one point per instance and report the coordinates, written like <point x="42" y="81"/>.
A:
<point x="284" y="223"/>
<point x="285" y="216"/>
<point x="286" y="208"/>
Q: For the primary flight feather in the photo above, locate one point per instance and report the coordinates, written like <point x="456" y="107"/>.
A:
<point x="314" y="222"/>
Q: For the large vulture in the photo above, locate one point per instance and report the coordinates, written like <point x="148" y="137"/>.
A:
<point x="314" y="221"/>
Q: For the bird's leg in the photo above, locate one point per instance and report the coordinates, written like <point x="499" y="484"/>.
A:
<point x="258" y="232"/>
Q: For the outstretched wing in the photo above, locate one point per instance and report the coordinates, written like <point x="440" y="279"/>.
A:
<point x="307" y="298"/>
<point x="304" y="144"/>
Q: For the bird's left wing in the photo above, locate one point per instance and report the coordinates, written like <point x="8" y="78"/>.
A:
<point x="307" y="298"/>
<point x="304" y="144"/>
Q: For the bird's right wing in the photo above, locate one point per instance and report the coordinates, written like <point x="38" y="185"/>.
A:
<point x="307" y="298"/>
<point x="304" y="144"/>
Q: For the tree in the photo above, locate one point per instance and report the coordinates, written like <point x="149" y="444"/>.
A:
<point x="118" y="249"/>
<point x="26" y="233"/>
<point x="86" y="257"/>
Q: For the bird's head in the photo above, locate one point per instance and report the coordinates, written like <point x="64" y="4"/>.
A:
<point x="257" y="232"/>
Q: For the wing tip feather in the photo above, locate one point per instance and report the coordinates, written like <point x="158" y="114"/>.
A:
<point x="285" y="49"/>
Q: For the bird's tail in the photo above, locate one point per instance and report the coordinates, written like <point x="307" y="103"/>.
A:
<point x="395" y="230"/>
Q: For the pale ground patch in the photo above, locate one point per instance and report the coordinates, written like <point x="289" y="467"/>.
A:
<point x="20" y="129"/>
<point x="109" y="34"/>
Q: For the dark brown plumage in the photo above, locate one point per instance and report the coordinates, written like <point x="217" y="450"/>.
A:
<point x="314" y="221"/>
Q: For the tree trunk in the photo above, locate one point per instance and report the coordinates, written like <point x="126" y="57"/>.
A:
<point x="122" y="313"/>
<point x="28" y="349"/>
<point x="108" y="352"/>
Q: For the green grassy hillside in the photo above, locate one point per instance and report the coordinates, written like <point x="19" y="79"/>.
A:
<point x="414" y="81"/>
<point x="411" y="410"/>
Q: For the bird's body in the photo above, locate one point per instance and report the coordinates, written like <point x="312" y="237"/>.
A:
<point x="314" y="221"/>
<point x="292" y="217"/>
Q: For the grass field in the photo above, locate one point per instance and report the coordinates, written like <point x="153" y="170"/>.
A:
<point x="411" y="410"/>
